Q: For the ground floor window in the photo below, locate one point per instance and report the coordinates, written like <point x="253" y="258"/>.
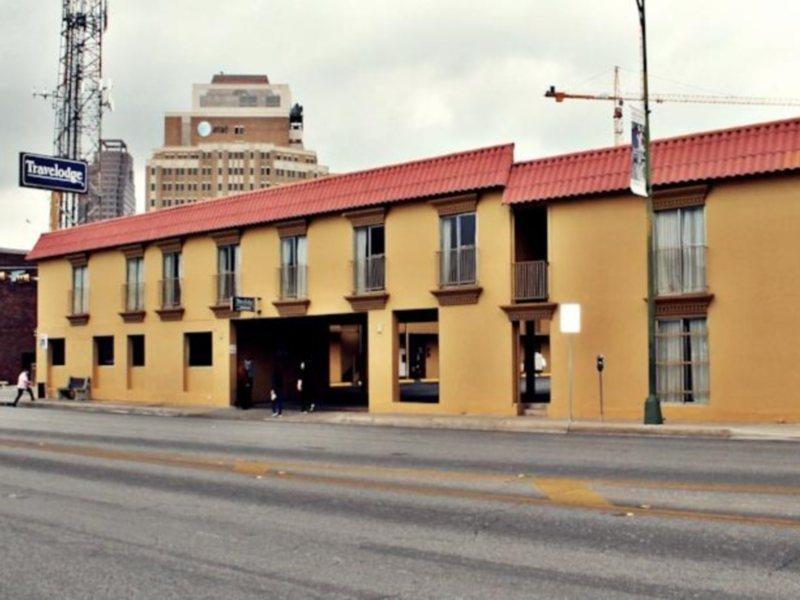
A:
<point x="136" y="350"/>
<point x="199" y="349"/>
<point x="418" y="355"/>
<point x="682" y="360"/>
<point x="104" y="350"/>
<point x="57" y="352"/>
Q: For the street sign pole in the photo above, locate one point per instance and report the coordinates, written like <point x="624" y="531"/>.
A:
<point x="652" y="405"/>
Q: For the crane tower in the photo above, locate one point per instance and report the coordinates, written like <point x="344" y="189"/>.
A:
<point x="79" y="98"/>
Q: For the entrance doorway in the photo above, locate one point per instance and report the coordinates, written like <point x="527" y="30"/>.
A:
<point x="332" y="350"/>
<point x="533" y="352"/>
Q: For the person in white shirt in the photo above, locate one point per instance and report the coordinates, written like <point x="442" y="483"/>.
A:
<point x="23" y="385"/>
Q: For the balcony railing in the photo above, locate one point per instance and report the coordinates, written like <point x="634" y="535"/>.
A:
<point x="457" y="266"/>
<point x="133" y="297"/>
<point x="226" y="286"/>
<point x="292" y="281"/>
<point x="530" y="280"/>
<point x="171" y="293"/>
<point x="369" y="274"/>
<point x="680" y="270"/>
<point x="78" y="301"/>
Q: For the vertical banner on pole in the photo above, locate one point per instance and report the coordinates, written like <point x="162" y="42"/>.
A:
<point x="638" y="153"/>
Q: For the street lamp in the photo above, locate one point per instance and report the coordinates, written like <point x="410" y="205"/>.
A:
<point x="652" y="405"/>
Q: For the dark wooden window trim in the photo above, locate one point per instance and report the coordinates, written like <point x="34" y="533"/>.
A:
<point x="366" y="217"/>
<point x="685" y="305"/>
<point x="292" y="307"/>
<point x="78" y="260"/>
<point x="456" y="296"/>
<point x="455" y="205"/>
<point x="133" y="251"/>
<point x="368" y="301"/>
<point x="682" y="197"/>
<point x="292" y="228"/>
<point x="229" y="237"/>
<point x="531" y="311"/>
<point x="171" y="246"/>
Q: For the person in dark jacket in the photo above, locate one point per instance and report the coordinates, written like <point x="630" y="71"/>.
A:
<point x="304" y="388"/>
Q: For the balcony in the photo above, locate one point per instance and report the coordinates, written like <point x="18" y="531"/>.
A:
<point x="226" y="285"/>
<point x="78" y="306"/>
<point x="530" y="281"/>
<point x="369" y="283"/>
<point x="133" y="303"/>
<point x="293" y="290"/>
<point x="457" y="276"/>
<point x="680" y="271"/>
<point x="170" y="300"/>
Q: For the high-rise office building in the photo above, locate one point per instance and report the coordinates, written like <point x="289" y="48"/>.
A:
<point x="243" y="133"/>
<point x="114" y="194"/>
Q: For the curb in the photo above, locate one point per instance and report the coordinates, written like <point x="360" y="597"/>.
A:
<point x="504" y="425"/>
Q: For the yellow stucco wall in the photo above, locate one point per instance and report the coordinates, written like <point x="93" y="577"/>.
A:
<point x="474" y="363"/>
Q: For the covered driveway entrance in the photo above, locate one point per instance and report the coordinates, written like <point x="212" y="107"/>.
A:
<point x="333" y="348"/>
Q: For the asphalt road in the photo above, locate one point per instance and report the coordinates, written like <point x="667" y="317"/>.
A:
<point x="120" y="506"/>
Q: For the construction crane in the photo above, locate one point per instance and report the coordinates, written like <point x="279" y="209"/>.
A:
<point x="619" y="99"/>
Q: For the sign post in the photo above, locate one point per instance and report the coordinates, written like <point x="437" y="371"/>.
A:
<point x="570" y="325"/>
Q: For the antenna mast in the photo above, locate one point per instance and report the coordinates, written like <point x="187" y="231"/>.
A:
<point x="79" y="98"/>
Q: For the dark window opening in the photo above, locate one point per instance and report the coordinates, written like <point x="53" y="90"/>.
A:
<point x="104" y="350"/>
<point x="199" y="348"/>
<point x="418" y="355"/>
<point x="136" y="348"/>
<point x="57" y="352"/>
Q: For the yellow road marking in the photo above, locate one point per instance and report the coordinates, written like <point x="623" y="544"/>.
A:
<point x="562" y="492"/>
<point x="570" y="492"/>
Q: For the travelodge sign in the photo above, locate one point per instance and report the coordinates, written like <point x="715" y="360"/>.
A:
<point x="51" y="173"/>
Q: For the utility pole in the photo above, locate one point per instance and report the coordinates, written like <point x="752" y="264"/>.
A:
<point x="652" y="405"/>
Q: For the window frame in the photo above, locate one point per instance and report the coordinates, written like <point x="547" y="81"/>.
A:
<point x="689" y="393"/>
<point x="137" y="357"/>
<point x="195" y="335"/>
<point x="99" y="350"/>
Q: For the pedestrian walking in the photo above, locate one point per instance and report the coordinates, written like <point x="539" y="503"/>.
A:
<point x="304" y="389"/>
<point x="23" y="385"/>
<point x="276" y="392"/>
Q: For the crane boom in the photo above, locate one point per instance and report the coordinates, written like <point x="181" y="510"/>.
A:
<point x="686" y="98"/>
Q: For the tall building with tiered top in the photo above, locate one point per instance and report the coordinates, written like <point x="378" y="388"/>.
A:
<point x="243" y="133"/>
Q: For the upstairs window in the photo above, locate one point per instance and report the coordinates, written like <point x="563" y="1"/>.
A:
<point x="294" y="257"/>
<point x="680" y="251"/>
<point x="458" y="260"/>
<point x="369" y="253"/>
<point x="80" y="290"/>
<point x="228" y="265"/>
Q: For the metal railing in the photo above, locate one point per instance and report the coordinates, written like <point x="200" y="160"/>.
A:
<point x="293" y="281"/>
<point x="530" y="280"/>
<point x="133" y="297"/>
<point x="369" y="274"/>
<point x="457" y="266"/>
<point x="171" y="292"/>
<point x="78" y="301"/>
<point x="680" y="270"/>
<point x="226" y="286"/>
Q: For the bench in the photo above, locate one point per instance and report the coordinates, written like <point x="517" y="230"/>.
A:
<point x="78" y="388"/>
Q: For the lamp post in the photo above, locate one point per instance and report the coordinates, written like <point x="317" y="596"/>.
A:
<point x="652" y="405"/>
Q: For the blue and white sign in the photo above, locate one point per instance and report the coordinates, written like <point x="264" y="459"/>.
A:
<point x="51" y="173"/>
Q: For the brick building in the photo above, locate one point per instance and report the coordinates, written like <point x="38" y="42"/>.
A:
<point x="17" y="313"/>
<point x="243" y="133"/>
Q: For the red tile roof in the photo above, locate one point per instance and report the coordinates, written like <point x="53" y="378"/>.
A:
<point x="754" y="149"/>
<point x="474" y="170"/>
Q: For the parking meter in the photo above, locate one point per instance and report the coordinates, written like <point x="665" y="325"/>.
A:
<point x="600" y="363"/>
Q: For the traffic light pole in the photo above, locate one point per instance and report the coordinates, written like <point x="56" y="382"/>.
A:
<point x="652" y="405"/>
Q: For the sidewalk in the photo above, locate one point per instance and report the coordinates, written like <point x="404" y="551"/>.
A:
<point x="774" y="432"/>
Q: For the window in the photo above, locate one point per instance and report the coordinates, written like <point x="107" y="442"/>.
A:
<point x="238" y="130"/>
<point x="80" y="290"/>
<point x="134" y="284"/>
<point x="682" y="360"/>
<point x="680" y="249"/>
<point x="136" y="350"/>
<point x="199" y="349"/>
<point x="369" y="262"/>
<point x="457" y="264"/>
<point x="57" y="352"/>
<point x="104" y="350"/>
<point x="171" y="282"/>
<point x="293" y="266"/>
<point x="228" y="258"/>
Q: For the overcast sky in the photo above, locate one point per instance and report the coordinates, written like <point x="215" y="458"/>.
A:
<point x="386" y="81"/>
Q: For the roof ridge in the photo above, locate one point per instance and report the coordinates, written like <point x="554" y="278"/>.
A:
<point x="657" y="142"/>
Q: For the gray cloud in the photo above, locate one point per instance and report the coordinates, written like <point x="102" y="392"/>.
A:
<point x="385" y="81"/>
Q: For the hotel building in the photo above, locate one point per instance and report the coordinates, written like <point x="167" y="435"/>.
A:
<point x="435" y="286"/>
